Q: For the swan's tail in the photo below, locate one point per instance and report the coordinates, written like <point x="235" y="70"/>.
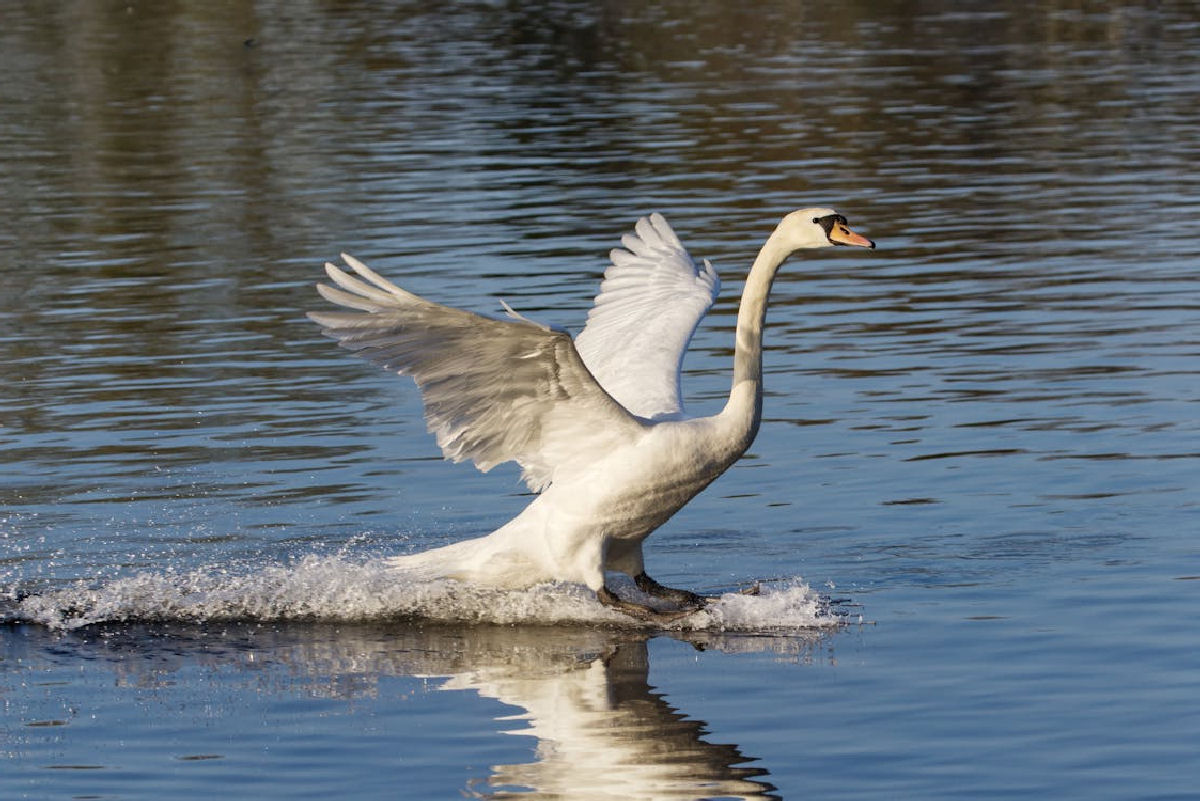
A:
<point x="483" y="561"/>
<point x="448" y="561"/>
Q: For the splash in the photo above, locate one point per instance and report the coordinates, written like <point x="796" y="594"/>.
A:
<point x="335" y="589"/>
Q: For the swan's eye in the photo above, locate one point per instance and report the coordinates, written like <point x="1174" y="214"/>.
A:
<point x="816" y="220"/>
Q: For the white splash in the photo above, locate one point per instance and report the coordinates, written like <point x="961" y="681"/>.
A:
<point x="334" y="589"/>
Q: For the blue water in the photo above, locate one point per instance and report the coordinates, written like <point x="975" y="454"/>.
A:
<point x="972" y="506"/>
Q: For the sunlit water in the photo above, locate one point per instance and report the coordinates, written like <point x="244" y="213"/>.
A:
<point x="972" y="507"/>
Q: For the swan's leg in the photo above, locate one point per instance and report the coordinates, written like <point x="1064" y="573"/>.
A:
<point x="640" y="611"/>
<point x="685" y="598"/>
<point x="624" y="556"/>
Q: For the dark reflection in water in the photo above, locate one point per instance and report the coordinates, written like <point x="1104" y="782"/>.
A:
<point x="601" y="729"/>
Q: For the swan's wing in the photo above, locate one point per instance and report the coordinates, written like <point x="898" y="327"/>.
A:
<point x="650" y="303"/>
<point x="494" y="390"/>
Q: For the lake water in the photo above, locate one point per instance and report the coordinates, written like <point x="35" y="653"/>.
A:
<point x="973" y="504"/>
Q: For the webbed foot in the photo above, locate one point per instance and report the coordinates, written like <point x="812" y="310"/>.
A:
<point x="753" y="589"/>
<point x="685" y="598"/>
<point x="640" y="611"/>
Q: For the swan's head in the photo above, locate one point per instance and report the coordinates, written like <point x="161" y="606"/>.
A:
<point x="818" y="228"/>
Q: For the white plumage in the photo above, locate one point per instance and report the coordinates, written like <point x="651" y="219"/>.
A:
<point x="597" y="423"/>
<point x="651" y="300"/>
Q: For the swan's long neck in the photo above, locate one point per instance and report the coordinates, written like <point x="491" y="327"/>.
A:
<point x="744" y="409"/>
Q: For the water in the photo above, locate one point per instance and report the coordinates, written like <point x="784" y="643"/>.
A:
<point x="972" y="505"/>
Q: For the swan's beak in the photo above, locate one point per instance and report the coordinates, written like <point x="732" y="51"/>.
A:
<point x="839" y="234"/>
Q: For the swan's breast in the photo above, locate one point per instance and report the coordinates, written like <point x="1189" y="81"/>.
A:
<point x="637" y="489"/>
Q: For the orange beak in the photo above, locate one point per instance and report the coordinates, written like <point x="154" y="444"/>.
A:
<point x="839" y="234"/>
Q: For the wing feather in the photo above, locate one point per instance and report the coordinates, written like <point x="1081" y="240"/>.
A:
<point x="651" y="300"/>
<point x="494" y="390"/>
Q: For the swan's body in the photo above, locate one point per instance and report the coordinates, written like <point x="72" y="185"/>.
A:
<point x="596" y="424"/>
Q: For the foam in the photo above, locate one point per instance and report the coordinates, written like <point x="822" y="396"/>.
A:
<point x="335" y="589"/>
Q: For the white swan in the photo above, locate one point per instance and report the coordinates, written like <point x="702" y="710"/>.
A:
<point x="596" y="423"/>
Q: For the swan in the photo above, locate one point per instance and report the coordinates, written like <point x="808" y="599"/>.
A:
<point x="596" y="423"/>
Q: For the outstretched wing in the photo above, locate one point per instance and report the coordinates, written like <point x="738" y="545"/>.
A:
<point x="652" y="298"/>
<point x="494" y="390"/>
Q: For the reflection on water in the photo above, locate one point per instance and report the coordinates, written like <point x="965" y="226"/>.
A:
<point x="601" y="730"/>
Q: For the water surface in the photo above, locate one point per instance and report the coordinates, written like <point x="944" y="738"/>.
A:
<point x="972" y="504"/>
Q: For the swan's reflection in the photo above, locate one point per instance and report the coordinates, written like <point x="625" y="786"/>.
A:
<point x="602" y="731"/>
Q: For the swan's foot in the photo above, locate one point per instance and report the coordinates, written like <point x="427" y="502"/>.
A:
<point x="640" y="611"/>
<point x="685" y="598"/>
<point x="753" y="589"/>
